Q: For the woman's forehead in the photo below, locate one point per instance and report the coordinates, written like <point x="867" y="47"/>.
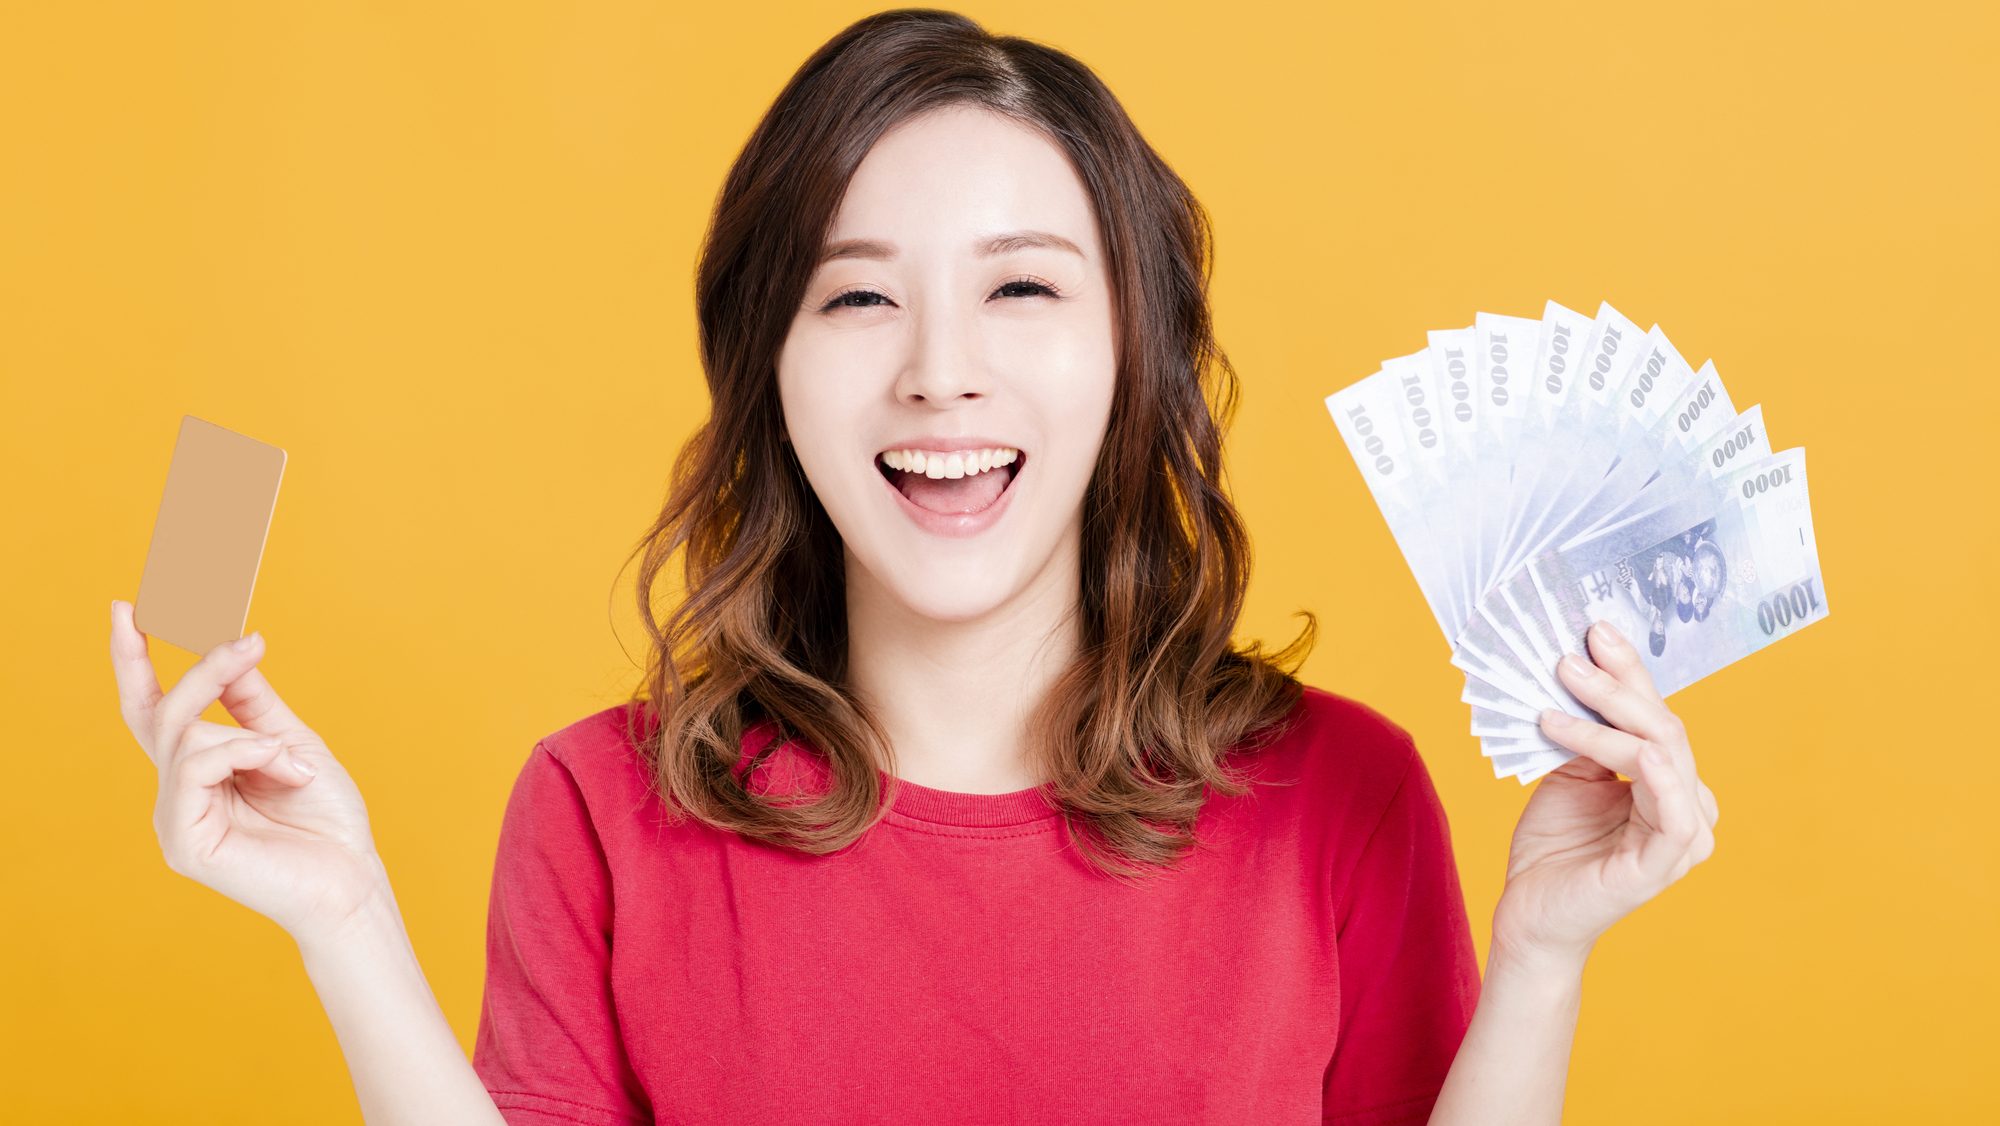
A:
<point x="949" y="181"/>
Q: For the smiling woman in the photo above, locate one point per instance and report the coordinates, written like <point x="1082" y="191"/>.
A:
<point x="947" y="771"/>
<point x="942" y="526"/>
<point x="962" y="339"/>
<point x="948" y="796"/>
<point x="953" y="682"/>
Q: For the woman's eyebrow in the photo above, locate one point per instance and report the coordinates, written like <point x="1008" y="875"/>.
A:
<point x="985" y="247"/>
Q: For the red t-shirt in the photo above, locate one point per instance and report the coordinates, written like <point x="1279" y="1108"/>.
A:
<point x="961" y="963"/>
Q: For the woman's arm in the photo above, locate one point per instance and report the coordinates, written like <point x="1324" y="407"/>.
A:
<point x="265" y="814"/>
<point x="405" y="1061"/>
<point x="1513" y="1064"/>
<point x="1588" y="850"/>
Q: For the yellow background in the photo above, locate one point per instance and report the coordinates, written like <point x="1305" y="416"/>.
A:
<point x="442" y="254"/>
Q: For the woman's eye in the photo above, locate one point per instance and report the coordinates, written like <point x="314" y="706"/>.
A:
<point x="859" y="298"/>
<point x="1034" y="287"/>
<point x="843" y="301"/>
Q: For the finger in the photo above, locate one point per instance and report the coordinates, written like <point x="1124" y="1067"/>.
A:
<point x="1676" y="823"/>
<point x="199" y="772"/>
<point x="1616" y="749"/>
<point x="203" y="734"/>
<point x="199" y="687"/>
<point x="138" y="684"/>
<point x="1616" y="655"/>
<point x="190" y="795"/>
<point x="256" y="705"/>
<point x="1617" y="702"/>
<point x="1704" y="845"/>
<point x="1704" y="798"/>
<point x="1585" y="770"/>
<point x="1607" y="746"/>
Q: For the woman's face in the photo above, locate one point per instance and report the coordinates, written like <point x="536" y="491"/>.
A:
<point x="947" y="398"/>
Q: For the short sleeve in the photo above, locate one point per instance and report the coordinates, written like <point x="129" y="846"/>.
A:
<point x="548" y="1047"/>
<point x="1409" y="975"/>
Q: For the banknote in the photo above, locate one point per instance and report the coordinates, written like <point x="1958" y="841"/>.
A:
<point x="1727" y="449"/>
<point x="1539" y="474"/>
<point x="1700" y="582"/>
<point x="1365" y="414"/>
<point x="1513" y="601"/>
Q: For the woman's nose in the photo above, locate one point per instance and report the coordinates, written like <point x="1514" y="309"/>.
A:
<point x="944" y="364"/>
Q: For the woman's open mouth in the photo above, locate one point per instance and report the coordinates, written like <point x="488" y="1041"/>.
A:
<point x="956" y="492"/>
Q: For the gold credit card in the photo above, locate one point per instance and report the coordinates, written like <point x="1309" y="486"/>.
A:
<point x="208" y="539"/>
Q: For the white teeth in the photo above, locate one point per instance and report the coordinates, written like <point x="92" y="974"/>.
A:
<point x="962" y="463"/>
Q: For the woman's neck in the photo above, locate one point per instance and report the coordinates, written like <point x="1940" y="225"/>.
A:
<point x="955" y="696"/>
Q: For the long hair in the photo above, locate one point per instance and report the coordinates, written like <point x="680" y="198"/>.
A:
<point x="1140" y="725"/>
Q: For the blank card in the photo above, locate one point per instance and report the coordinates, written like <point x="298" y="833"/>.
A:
<point x="208" y="538"/>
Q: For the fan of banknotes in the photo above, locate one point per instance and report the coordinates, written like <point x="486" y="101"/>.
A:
<point x="1540" y="475"/>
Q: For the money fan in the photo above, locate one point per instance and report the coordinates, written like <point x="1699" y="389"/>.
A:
<point x="1540" y="475"/>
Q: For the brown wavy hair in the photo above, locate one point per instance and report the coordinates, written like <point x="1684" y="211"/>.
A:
<point x="1140" y="725"/>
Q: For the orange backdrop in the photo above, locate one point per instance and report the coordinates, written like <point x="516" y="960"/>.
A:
<point x="442" y="254"/>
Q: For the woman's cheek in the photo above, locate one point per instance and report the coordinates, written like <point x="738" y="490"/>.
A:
<point x="825" y="415"/>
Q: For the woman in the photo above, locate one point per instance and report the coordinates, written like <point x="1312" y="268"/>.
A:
<point x="957" y="803"/>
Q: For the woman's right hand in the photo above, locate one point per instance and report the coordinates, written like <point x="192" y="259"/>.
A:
<point x="236" y="813"/>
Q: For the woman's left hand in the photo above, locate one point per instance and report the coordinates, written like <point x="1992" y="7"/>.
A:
<point x="1591" y="848"/>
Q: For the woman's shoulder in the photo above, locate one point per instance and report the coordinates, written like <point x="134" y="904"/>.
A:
<point x="597" y="755"/>
<point x="1340" y="749"/>
<point x="604" y="752"/>
<point x="618" y="724"/>
<point x="1327" y="715"/>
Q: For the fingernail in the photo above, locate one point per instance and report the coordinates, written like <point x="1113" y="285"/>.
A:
<point x="1607" y="633"/>
<point x="299" y="765"/>
<point x="245" y="644"/>
<point x="1553" y="717"/>
<point x="1578" y="666"/>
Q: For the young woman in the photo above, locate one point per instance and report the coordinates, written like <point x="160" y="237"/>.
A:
<point x="948" y="798"/>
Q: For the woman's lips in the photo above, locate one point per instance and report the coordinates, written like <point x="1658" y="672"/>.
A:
<point x="952" y="523"/>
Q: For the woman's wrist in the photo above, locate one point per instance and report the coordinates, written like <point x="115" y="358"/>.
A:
<point x="406" y="1062"/>
<point x="374" y="923"/>
<point x="1533" y="964"/>
<point x="1513" y="1064"/>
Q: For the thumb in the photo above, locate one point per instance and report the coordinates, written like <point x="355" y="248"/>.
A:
<point x="200" y="686"/>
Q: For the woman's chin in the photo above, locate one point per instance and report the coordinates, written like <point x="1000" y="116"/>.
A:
<point x="942" y="598"/>
<point x="955" y="594"/>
